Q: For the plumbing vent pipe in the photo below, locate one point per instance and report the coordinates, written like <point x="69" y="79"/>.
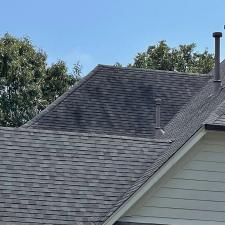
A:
<point x="158" y="130"/>
<point x="217" y="77"/>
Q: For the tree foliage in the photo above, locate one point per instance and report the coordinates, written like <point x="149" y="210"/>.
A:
<point x="182" y="59"/>
<point x="57" y="80"/>
<point x="27" y="84"/>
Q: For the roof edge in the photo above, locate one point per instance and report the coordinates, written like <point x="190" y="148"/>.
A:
<point x="61" y="98"/>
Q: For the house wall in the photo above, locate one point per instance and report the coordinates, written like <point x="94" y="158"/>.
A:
<point x="193" y="192"/>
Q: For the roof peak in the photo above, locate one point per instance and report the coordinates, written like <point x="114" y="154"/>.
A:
<point x="149" y="70"/>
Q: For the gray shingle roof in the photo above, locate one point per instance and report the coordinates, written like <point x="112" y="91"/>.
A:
<point x="217" y="117"/>
<point x="55" y="177"/>
<point x="205" y="108"/>
<point x="120" y="101"/>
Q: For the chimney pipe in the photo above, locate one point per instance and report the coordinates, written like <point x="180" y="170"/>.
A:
<point x="217" y="78"/>
<point x="158" y="130"/>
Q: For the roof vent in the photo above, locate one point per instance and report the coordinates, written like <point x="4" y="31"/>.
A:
<point x="158" y="130"/>
<point x="217" y="78"/>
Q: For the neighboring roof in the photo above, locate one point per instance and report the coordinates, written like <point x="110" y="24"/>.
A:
<point x="120" y="101"/>
<point x="55" y="177"/>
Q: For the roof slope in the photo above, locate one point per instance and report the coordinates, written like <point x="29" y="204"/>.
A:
<point x="207" y="107"/>
<point x="120" y="101"/>
<point x="50" y="177"/>
<point x="217" y="117"/>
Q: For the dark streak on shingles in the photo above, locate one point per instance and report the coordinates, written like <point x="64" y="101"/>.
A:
<point x="205" y="109"/>
<point x="121" y="101"/>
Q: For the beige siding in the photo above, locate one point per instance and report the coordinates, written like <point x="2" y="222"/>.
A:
<point x="193" y="192"/>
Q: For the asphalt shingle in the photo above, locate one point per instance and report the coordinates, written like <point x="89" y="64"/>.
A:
<point x="120" y="101"/>
<point x="55" y="177"/>
<point x="58" y="177"/>
<point x="206" y="107"/>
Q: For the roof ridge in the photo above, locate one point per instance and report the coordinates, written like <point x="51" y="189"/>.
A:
<point x="70" y="133"/>
<point x="61" y="98"/>
<point x="152" y="70"/>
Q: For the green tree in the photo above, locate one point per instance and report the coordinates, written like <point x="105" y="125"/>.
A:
<point x="182" y="58"/>
<point x="27" y="84"/>
<point x="58" y="80"/>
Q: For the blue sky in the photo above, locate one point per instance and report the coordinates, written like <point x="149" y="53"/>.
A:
<point x="104" y="32"/>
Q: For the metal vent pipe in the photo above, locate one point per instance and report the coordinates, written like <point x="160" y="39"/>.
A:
<point x="217" y="78"/>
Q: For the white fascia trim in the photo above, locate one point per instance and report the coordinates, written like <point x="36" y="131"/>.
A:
<point x="156" y="177"/>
